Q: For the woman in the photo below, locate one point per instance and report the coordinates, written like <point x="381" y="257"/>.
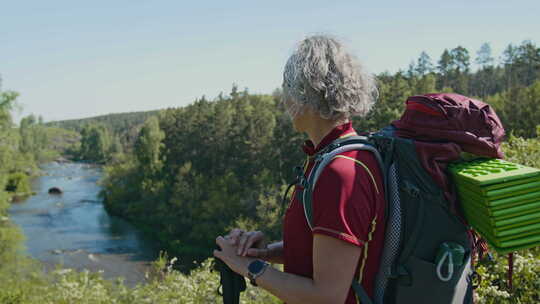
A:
<point x="323" y="87"/>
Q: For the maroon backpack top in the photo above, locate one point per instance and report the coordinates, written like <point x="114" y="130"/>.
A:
<point x="470" y="123"/>
<point x="446" y="124"/>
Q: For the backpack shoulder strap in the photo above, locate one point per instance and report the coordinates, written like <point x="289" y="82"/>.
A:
<point x="324" y="157"/>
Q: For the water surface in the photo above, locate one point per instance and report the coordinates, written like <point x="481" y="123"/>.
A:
<point x="74" y="229"/>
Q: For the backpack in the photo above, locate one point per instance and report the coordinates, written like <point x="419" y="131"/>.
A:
<point x="428" y="246"/>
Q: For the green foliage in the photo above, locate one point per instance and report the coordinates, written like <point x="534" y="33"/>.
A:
<point x="66" y="286"/>
<point x="9" y="139"/>
<point x="117" y="123"/>
<point x="123" y="127"/>
<point x="95" y="143"/>
<point x="18" y="183"/>
<point x="483" y="55"/>
<point x="101" y="145"/>
<point x="523" y="151"/>
<point x="19" y="149"/>
<point x="41" y="143"/>
<point x="493" y="287"/>
<point x="10" y="240"/>
<point x="120" y="187"/>
<point x="148" y="146"/>
<point x="28" y="136"/>
<point x="201" y="168"/>
<point x="519" y="109"/>
<point x="514" y="96"/>
<point x="59" y="142"/>
<point x="393" y="91"/>
<point x="7" y="103"/>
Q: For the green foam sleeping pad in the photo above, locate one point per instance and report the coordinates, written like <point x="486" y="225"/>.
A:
<point x="501" y="200"/>
<point x="499" y="203"/>
<point x="488" y="171"/>
<point x="501" y="193"/>
<point x="509" y="247"/>
<point x="519" y="228"/>
<point x="503" y="213"/>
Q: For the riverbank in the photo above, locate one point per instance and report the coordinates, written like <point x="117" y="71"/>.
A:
<point x="73" y="230"/>
<point x="112" y="266"/>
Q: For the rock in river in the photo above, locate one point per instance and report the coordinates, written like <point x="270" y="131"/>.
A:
<point x="55" y="190"/>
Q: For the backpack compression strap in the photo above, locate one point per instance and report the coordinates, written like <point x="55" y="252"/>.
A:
<point x="321" y="161"/>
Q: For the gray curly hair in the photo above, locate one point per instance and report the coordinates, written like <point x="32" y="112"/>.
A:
<point x="320" y="74"/>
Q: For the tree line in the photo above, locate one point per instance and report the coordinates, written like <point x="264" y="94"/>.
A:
<point x="509" y="85"/>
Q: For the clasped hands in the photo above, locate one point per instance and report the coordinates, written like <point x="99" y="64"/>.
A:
<point x="239" y="248"/>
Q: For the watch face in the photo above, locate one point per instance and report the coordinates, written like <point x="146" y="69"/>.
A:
<point x="256" y="266"/>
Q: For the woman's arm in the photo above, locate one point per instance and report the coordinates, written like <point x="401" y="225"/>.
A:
<point x="334" y="265"/>
<point x="273" y="253"/>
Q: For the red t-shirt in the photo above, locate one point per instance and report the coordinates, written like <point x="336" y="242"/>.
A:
<point x="348" y="204"/>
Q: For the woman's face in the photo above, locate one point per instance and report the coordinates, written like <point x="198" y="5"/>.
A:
<point x="296" y="122"/>
<point x="297" y="116"/>
<point x="303" y="119"/>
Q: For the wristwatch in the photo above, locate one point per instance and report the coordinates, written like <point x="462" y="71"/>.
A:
<point x="255" y="270"/>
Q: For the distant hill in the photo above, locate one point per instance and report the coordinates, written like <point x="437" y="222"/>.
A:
<point x="116" y="122"/>
<point x="124" y="126"/>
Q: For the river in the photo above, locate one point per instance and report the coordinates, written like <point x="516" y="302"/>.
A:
<point x="74" y="230"/>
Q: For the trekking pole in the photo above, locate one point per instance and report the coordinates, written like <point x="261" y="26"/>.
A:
<point x="232" y="284"/>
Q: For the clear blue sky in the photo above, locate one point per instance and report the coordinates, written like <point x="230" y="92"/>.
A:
<point x="74" y="59"/>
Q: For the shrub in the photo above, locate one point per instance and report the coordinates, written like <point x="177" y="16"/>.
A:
<point x="18" y="183"/>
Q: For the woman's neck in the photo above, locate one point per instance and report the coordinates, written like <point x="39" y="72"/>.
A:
<point x="320" y="128"/>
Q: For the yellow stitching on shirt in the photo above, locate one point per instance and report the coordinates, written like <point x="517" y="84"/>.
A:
<point x="364" y="166"/>
<point x="364" y="258"/>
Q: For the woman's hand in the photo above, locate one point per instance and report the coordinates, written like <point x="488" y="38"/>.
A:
<point x="252" y="243"/>
<point x="237" y="263"/>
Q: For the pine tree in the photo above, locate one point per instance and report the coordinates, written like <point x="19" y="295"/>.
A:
<point x="445" y="69"/>
<point x="148" y="146"/>
<point x="424" y="64"/>
<point x="483" y="56"/>
<point x="460" y="69"/>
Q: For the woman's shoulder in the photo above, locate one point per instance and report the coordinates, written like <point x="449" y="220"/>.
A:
<point x="350" y="161"/>
<point x="355" y="168"/>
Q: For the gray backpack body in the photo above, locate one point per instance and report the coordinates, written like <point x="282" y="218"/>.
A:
<point x="418" y="224"/>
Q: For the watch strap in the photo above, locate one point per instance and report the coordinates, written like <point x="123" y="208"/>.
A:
<point x="253" y="276"/>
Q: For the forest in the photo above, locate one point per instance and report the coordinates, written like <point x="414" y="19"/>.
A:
<point x="202" y="169"/>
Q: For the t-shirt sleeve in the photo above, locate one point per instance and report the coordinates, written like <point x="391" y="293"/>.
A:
<point x="344" y="202"/>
